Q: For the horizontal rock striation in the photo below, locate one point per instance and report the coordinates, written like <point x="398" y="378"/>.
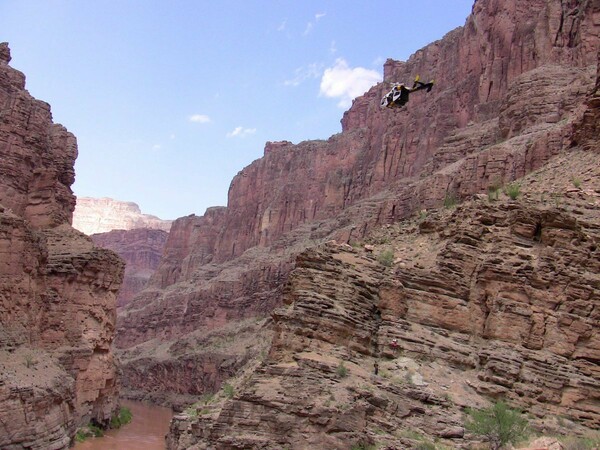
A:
<point x="495" y="299"/>
<point x="100" y="215"/>
<point x="141" y="249"/>
<point x="511" y="88"/>
<point x="57" y="291"/>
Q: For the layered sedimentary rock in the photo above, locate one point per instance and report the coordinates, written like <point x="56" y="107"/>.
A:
<point x="495" y="299"/>
<point x="510" y="86"/>
<point x="141" y="249"/>
<point x="57" y="291"/>
<point x="100" y="215"/>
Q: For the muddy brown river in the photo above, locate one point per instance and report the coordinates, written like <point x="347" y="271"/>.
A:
<point x="146" y="431"/>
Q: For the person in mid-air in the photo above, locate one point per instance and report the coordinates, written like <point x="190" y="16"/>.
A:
<point x="398" y="96"/>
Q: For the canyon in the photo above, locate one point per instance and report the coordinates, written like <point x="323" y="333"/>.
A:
<point x="57" y="289"/>
<point x="363" y="290"/>
<point x="488" y="296"/>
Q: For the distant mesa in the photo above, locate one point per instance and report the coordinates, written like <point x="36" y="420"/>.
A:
<point x="100" y="215"/>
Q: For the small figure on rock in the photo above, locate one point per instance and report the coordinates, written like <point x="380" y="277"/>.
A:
<point x="376" y="368"/>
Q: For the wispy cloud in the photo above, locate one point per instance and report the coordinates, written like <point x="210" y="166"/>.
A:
<point x="310" y="25"/>
<point x="304" y="73"/>
<point x="241" y="132"/>
<point x="156" y="147"/>
<point x="346" y="83"/>
<point x="282" y="25"/>
<point x="332" y="48"/>
<point x="199" y="118"/>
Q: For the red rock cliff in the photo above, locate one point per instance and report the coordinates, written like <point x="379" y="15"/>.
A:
<point x="512" y="66"/>
<point x="57" y="291"/>
<point x="512" y="86"/>
<point x="141" y="249"/>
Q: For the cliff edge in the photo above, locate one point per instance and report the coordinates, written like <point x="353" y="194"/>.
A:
<point x="57" y="290"/>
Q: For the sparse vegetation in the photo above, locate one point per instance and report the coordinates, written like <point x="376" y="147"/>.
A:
<point x="450" y="200"/>
<point x="80" y="436"/>
<point x="576" y="182"/>
<point x="386" y="257"/>
<point x="207" y="398"/>
<point x="426" y="445"/>
<point x="30" y="361"/>
<point x="228" y="390"/>
<point x="123" y="417"/>
<point x="192" y="411"/>
<point x="493" y="192"/>
<point x="341" y="370"/>
<point x="581" y="442"/>
<point x="498" y="424"/>
<point x="513" y="190"/>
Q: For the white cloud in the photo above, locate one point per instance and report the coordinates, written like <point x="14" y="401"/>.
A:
<point x="345" y="83"/>
<point x="156" y="147"/>
<point x="311" y="25"/>
<point x="199" y="118"/>
<point x="304" y="73"/>
<point x="281" y="26"/>
<point x="241" y="132"/>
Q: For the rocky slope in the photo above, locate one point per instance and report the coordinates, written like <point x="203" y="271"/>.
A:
<point x="100" y="215"/>
<point x="513" y="94"/>
<point x="57" y="291"/>
<point x="491" y="299"/>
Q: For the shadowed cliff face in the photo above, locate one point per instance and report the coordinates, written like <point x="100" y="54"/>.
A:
<point x="57" y="291"/>
<point x="141" y="249"/>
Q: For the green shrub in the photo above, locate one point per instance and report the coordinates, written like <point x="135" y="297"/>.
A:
<point x="228" y="390"/>
<point x="95" y="430"/>
<point x="576" y="182"/>
<point x="450" y="200"/>
<point x="207" y="398"/>
<point x="498" y="424"/>
<point x="386" y="257"/>
<point x="80" y="436"/>
<point x="123" y="417"/>
<point x="513" y="190"/>
<point x="341" y="370"/>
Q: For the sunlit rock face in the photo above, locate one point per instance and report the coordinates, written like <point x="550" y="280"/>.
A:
<point x="100" y="215"/>
<point x="514" y="99"/>
<point x="57" y="290"/>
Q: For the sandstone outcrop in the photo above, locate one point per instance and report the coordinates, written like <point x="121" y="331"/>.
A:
<point x="57" y="291"/>
<point x="100" y="215"/>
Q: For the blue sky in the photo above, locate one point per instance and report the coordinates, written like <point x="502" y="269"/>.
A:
<point x="170" y="99"/>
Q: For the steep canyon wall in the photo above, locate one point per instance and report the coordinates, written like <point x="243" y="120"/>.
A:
<point x="513" y="92"/>
<point x="57" y="290"/>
